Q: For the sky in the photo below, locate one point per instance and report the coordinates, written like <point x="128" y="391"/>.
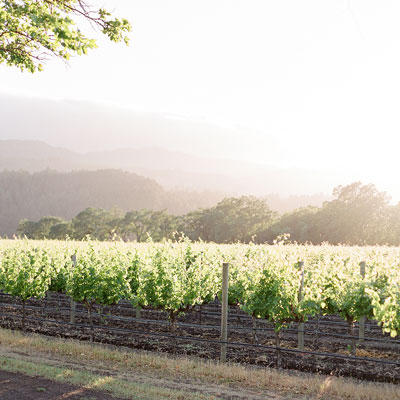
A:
<point x="318" y="79"/>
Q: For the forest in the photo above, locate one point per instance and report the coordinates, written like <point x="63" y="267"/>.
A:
<point x="65" y="194"/>
<point x="358" y="215"/>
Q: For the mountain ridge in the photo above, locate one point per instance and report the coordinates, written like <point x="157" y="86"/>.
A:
<point x="172" y="169"/>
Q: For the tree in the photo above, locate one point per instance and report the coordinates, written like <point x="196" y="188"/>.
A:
<point x="40" y="229"/>
<point x="355" y="216"/>
<point x="300" y="224"/>
<point x="231" y="220"/>
<point x="61" y="231"/>
<point x="98" y="223"/>
<point x="31" y="31"/>
<point x="392" y="226"/>
<point x="139" y="225"/>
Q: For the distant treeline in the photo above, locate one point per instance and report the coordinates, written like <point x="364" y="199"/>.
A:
<point x="358" y="215"/>
<point x="65" y="194"/>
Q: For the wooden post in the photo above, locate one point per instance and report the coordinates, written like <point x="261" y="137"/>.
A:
<point x="224" y="311"/>
<point x="23" y="316"/>
<point x="318" y="328"/>
<point x="89" y="308"/>
<point x="361" y="324"/>
<point x="300" y="333"/>
<point x="278" y="348"/>
<point x="44" y="304"/>
<point x="353" y="338"/>
<point x="255" y="337"/>
<point x="73" y="304"/>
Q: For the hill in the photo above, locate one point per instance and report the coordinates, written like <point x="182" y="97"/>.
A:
<point x="285" y="188"/>
<point x="64" y="194"/>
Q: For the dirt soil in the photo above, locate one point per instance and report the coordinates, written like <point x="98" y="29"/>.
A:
<point x="325" y="339"/>
<point x="15" y="386"/>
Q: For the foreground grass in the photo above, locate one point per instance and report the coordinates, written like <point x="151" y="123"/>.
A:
<point x="89" y="380"/>
<point x="206" y="373"/>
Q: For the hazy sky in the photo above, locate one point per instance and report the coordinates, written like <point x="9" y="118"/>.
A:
<point x="319" y="77"/>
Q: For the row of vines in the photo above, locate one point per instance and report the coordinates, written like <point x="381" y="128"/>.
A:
<point x="175" y="277"/>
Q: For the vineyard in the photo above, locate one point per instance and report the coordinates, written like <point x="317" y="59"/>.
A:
<point x="315" y="308"/>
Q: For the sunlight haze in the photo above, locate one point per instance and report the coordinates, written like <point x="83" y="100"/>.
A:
<point x="290" y="84"/>
<point x="223" y="192"/>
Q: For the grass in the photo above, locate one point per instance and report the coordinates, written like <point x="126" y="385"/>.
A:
<point x="88" y="380"/>
<point x="310" y="386"/>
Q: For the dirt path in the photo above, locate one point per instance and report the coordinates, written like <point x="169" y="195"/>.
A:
<point x="16" y="386"/>
<point x="119" y="326"/>
<point x="140" y="375"/>
<point x="31" y="386"/>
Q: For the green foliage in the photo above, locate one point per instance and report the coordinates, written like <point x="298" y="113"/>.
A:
<point x="97" y="223"/>
<point x="175" y="279"/>
<point x="61" y="230"/>
<point x="98" y="277"/>
<point x="355" y="216"/>
<point x="45" y="228"/>
<point x="301" y="224"/>
<point x="67" y="194"/>
<point x="275" y="293"/>
<point x="142" y="224"/>
<point x="25" y="272"/>
<point x="33" y="30"/>
<point x="355" y="301"/>
<point x="231" y="220"/>
<point x="386" y="305"/>
<point x="358" y="215"/>
<point x="175" y="276"/>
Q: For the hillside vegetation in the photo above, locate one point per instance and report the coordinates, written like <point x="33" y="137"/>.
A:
<point x="358" y="215"/>
<point x="32" y="196"/>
